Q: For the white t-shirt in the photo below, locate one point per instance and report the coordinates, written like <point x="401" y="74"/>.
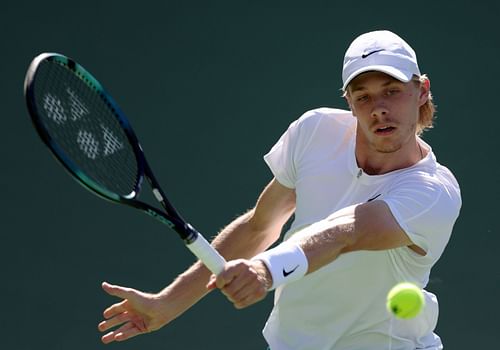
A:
<point x="342" y="305"/>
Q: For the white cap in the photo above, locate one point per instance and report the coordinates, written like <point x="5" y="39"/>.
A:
<point x="381" y="51"/>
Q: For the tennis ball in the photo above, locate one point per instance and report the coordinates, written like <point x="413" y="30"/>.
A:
<point x="405" y="300"/>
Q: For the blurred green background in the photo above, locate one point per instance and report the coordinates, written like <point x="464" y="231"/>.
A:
<point x="209" y="87"/>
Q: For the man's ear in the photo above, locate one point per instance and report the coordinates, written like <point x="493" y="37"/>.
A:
<point x="425" y="88"/>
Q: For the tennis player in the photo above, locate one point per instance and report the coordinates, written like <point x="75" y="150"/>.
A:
<point x="372" y="207"/>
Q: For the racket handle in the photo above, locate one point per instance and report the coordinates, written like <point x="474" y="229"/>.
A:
<point x="207" y="254"/>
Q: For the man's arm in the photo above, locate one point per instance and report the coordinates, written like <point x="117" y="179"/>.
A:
<point x="368" y="226"/>
<point x="260" y="227"/>
<point x="246" y="236"/>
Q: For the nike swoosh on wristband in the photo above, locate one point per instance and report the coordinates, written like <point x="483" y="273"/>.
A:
<point x="365" y="55"/>
<point x="286" y="273"/>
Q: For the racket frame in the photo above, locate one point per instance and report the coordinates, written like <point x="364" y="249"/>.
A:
<point x="171" y="217"/>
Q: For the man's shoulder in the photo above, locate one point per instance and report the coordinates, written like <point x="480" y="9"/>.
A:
<point x="431" y="178"/>
<point x="326" y="118"/>
<point x="335" y="114"/>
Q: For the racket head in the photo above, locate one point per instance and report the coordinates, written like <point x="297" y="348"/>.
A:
<point x="84" y="127"/>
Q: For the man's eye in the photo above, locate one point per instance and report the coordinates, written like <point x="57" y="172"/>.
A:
<point x="361" y="98"/>
<point x="392" y="91"/>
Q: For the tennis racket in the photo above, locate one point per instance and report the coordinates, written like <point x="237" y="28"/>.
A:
<point x="91" y="137"/>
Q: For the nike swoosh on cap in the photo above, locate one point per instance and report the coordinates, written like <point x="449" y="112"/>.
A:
<point x="365" y="55"/>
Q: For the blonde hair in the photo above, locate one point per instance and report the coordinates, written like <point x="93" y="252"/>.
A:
<point x="427" y="110"/>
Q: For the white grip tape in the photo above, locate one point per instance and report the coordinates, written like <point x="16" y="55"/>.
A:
<point x="286" y="263"/>
<point x="207" y="254"/>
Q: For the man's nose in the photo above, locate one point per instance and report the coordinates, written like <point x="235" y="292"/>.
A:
<point x="380" y="108"/>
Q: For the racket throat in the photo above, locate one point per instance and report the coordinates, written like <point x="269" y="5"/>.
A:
<point x="158" y="195"/>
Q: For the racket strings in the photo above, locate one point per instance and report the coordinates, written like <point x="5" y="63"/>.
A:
<point x="82" y="123"/>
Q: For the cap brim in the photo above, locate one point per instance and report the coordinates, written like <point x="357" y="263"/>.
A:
<point x="398" y="74"/>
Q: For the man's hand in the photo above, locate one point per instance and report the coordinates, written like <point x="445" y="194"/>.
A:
<point x="137" y="313"/>
<point x="243" y="282"/>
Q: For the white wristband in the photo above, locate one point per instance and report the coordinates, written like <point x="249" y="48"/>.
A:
<point x="286" y="263"/>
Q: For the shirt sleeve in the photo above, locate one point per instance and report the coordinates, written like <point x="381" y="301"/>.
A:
<point x="281" y="158"/>
<point x="288" y="154"/>
<point x="426" y="208"/>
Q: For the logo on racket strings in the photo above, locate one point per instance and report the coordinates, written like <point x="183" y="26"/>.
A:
<point x="54" y="107"/>
<point x="90" y="145"/>
<point x="72" y="109"/>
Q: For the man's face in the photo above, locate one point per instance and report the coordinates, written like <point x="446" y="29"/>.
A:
<point x="387" y="110"/>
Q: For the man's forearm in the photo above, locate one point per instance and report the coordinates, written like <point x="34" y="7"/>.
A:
<point x="368" y="226"/>
<point x="240" y="239"/>
<point x="243" y="238"/>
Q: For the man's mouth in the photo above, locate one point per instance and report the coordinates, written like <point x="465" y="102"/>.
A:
<point x="384" y="130"/>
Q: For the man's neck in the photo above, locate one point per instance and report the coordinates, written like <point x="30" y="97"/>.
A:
<point x="374" y="162"/>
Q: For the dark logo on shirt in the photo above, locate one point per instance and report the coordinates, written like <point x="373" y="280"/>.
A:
<point x="373" y="198"/>
<point x="286" y="273"/>
<point x="365" y="55"/>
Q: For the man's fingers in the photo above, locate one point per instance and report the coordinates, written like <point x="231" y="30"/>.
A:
<point x="237" y="285"/>
<point x="240" y="283"/>
<point x="233" y="271"/>
<point x="115" y="321"/>
<point x="225" y="278"/>
<point x="108" y="337"/>
<point x="115" y="309"/>
<point x="212" y="283"/>
<point x="125" y="332"/>
<point x="117" y="291"/>
<point x="118" y="334"/>
<point x="250" y="297"/>
<point x="248" y="294"/>
<point x="244" y="290"/>
<point x="120" y="292"/>
<point x="129" y="332"/>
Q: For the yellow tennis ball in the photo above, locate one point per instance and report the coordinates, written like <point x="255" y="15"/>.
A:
<point x="405" y="300"/>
